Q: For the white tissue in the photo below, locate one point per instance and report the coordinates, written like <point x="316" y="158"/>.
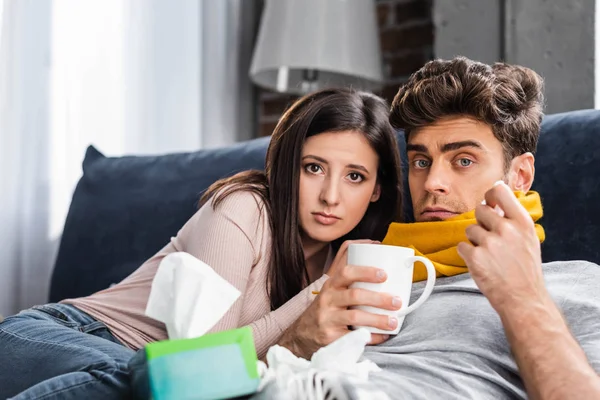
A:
<point x="188" y="296"/>
<point x="339" y="358"/>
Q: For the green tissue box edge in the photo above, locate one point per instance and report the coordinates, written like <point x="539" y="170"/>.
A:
<point x="240" y="336"/>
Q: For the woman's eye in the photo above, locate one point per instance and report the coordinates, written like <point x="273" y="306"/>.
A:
<point x="465" y="162"/>
<point x="313" y="168"/>
<point x="355" y="177"/>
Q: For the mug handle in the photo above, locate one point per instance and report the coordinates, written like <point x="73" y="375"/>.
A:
<point x="428" y="286"/>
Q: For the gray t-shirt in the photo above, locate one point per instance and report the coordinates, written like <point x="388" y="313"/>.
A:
<point x="454" y="346"/>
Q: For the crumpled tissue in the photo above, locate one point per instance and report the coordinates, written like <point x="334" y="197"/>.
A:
<point x="315" y="378"/>
<point x="188" y="296"/>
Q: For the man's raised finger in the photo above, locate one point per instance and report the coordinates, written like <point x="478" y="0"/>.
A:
<point x="487" y="218"/>
<point x="501" y="195"/>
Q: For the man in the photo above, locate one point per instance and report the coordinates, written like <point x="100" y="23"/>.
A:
<point x="499" y="324"/>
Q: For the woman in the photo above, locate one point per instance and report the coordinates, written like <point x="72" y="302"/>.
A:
<point x="332" y="174"/>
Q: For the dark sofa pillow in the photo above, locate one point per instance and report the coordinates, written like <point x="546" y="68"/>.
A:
<point x="125" y="209"/>
<point x="568" y="179"/>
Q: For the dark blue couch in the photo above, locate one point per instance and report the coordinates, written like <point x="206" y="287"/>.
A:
<point x="125" y="209"/>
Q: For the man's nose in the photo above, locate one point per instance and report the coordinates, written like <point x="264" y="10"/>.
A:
<point x="438" y="179"/>
<point x="330" y="192"/>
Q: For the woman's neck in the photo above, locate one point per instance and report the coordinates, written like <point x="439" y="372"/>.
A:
<point x="315" y="256"/>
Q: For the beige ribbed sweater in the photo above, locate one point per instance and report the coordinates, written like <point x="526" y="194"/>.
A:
<point x="235" y="240"/>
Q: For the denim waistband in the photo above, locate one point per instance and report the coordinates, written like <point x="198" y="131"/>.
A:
<point x="66" y="312"/>
<point x="74" y="318"/>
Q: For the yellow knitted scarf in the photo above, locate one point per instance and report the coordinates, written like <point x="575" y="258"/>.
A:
<point x="438" y="240"/>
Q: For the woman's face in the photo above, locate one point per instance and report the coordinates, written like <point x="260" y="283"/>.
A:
<point x="338" y="180"/>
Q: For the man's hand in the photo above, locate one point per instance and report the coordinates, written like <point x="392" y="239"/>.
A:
<point x="329" y="316"/>
<point x="504" y="258"/>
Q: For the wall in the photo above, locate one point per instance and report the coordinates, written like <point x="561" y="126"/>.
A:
<point x="406" y="34"/>
<point x="481" y="40"/>
<point x="597" y="55"/>
<point x="554" y="37"/>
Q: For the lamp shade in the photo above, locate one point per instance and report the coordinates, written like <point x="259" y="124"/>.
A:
<point x="305" y="45"/>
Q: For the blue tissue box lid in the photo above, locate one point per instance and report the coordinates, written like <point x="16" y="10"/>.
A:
<point x="202" y="374"/>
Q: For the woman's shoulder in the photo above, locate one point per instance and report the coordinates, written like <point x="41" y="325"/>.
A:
<point x="246" y="200"/>
<point x="244" y="207"/>
<point x="240" y="215"/>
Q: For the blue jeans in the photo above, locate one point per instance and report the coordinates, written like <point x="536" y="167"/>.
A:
<point x="57" y="351"/>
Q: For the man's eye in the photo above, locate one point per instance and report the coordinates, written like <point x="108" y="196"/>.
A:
<point x="465" y="162"/>
<point x="421" y="164"/>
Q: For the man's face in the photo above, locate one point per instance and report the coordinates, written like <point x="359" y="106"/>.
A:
<point x="452" y="163"/>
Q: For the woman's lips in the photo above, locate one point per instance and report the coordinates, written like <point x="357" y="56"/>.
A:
<point x="326" y="219"/>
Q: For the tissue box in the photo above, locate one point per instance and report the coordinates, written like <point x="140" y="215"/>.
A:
<point x="214" y="366"/>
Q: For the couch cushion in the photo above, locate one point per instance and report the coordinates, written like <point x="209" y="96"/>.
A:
<point x="567" y="177"/>
<point x="125" y="209"/>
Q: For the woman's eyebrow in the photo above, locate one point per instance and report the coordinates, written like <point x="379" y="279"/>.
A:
<point x="357" y="166"/>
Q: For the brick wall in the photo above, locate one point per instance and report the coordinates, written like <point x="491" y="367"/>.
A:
<point x="406" y="35"/>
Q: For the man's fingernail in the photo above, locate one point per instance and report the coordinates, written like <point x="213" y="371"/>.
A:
<point x="396" y="302"/>
<point x="499" y="211"/>
<point x="392" y="322"/>
<point x="381" y="275"/>
<point x="386" y="337"/>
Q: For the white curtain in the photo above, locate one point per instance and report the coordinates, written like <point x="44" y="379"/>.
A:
<point x="130" y="77"/>
<point x="24" y="156"/>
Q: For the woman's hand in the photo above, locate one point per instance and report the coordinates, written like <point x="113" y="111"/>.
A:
<point x="329" y="317"/>
<point x="341" y="258"/>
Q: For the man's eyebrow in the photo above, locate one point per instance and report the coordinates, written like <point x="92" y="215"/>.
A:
<point x="459" y="145"/>
<point x="417" y="147"/>
<point x="445" y="148"/>
<point x="324" y="161"/>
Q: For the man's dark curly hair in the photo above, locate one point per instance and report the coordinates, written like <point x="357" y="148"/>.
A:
<point x="508" y="98"/>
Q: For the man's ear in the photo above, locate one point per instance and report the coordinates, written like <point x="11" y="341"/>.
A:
<point x="376" y="193"/>
<point x="522" y="172"/>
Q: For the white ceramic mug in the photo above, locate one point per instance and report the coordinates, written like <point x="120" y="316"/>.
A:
<point x="398" y="263"/>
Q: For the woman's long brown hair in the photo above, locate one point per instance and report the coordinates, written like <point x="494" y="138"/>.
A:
<point x="328" y="110"/>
